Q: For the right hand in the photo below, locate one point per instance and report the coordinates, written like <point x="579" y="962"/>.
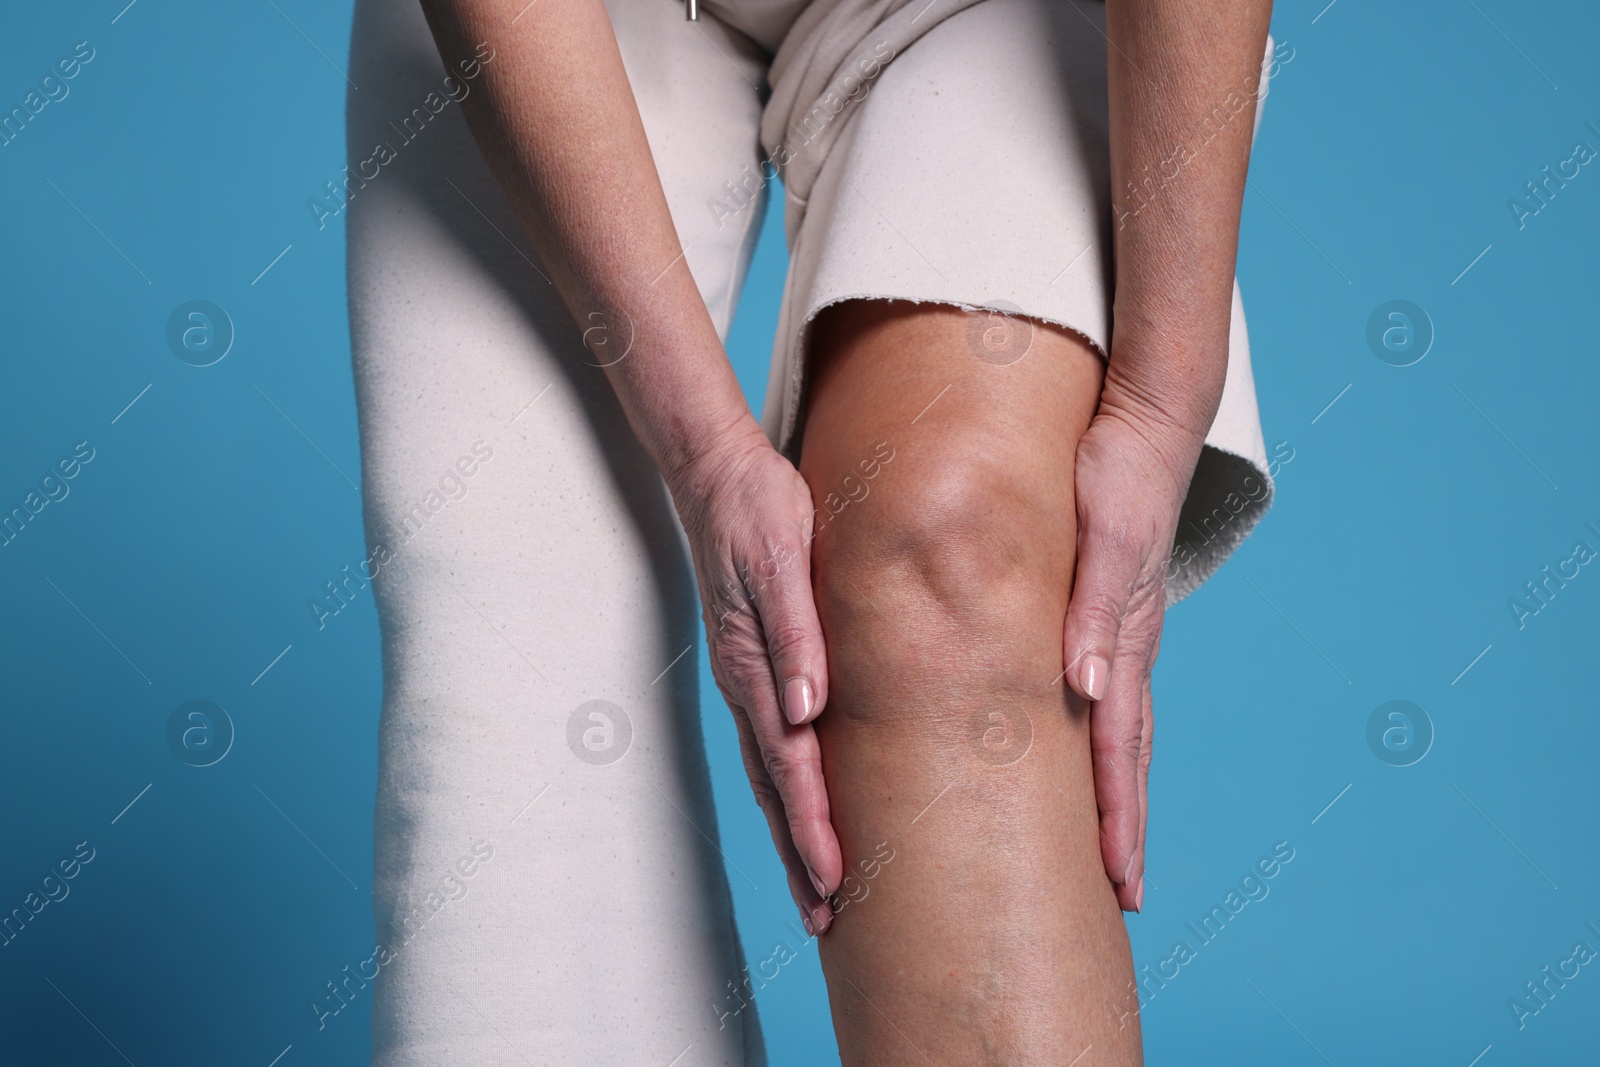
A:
<point x="748" y="516"/>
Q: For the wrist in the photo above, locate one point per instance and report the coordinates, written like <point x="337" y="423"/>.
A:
<point x="684" y="404"/>
<point x="705" y="453"/>
<point x="1169" y="402"/>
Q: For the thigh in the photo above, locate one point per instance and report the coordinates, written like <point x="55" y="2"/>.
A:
<point x="541" y="723"/>
<point x="942" y="570"/>
<point x="975" y="172"/>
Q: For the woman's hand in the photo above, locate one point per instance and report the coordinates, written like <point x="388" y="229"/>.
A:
<point x="1174" y="255"/>
<point x="748" y="515"/>
<point x="1129" y="491"/>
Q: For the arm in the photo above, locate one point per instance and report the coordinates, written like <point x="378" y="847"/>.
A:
<point x="560" y="130"/>
<point x="1177" y="73"/>
<point x="559" y="127"/>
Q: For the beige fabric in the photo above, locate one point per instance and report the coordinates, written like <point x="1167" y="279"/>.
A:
<point x="596" y="925"/>
<point x="958" y="152"/>
<point x="834" y="52"/>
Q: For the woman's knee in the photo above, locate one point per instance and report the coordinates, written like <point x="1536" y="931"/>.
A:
<point x="952" y="572"/>
<point x="946" y="524"/>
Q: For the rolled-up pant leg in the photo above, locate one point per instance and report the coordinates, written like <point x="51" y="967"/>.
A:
<point x="546" y="887"/>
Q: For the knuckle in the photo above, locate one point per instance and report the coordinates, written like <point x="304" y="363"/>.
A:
<point x="786" y="769"/>
<point x="750" y="754"/>
<point x="1122" y="745"/>
<point x="1148" y="594"/>
<point x="739" y="664"/>
<point x="766" y="796"/>
<point x="786" y="638"/>
<point x="781" y="768"/>
<point x="728" y="621"/>
<point x="1098" y="613"/>
<point x="761" y="784"/>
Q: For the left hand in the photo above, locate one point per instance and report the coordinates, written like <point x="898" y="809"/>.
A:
<point x="1133" y="470"/>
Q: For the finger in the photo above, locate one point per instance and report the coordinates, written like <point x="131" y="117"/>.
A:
<point x="1110" y="560"/>
<point x="1146" y="750"/>
<point x="1116" y="726"/>
<point x="814" y="910"/>
<point x="790" y="754"/>
<point x="788" y="613"/>
<point x="792" y="758"/>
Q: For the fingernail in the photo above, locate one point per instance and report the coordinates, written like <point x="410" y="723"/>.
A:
<point x="805" y="917"/>
<point x="1138" y="895"/>
<point x="816" y="883"/>
<point x="797" y="701"/>
<point x="1094" y="675"/>
<point x="1127" y="875"/>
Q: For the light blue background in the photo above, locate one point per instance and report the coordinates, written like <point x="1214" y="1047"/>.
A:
<point x="1415" y="506"/>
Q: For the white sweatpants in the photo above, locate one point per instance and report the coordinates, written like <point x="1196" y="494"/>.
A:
<point x="530" y="562"/>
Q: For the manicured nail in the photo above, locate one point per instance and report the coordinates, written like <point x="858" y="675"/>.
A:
<point x="797" y="701"/>
<point x="1127" y="875"/>
<point x="1138" y="895"/>
<point x="805" y="917"/>
<point x="816" y="883"/>
<point x="1094" y="675"/>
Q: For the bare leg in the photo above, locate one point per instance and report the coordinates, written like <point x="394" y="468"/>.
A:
<point x="980" y="927"/>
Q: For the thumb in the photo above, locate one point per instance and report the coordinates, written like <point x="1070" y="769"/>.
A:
<point x="795" y="646"/>
<point x="1107" y="572"/>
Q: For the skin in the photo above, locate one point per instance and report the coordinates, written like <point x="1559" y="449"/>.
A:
<point x="951" y="743"/>
<point x="1068" y="571"/>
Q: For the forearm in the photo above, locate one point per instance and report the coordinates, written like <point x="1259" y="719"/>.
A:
<point x="557" y="122"/>
<point x="1183" y="83"/>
